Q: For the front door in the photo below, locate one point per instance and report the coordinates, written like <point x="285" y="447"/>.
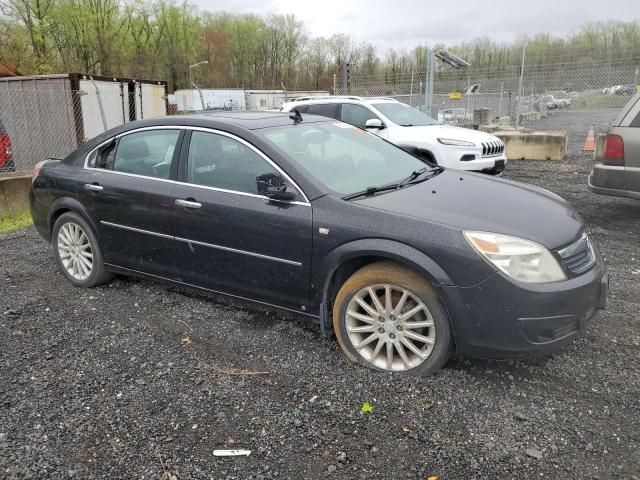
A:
<point x="357" y="115"/>
<point x="229" y="237"/>
<point x="126" y="187"/>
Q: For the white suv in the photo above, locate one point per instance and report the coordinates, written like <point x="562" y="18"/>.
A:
<point x="448" y="146"/>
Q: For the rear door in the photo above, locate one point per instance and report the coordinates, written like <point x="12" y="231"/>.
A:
<point x="126" y="186"/>
<point x="229" y="237"/>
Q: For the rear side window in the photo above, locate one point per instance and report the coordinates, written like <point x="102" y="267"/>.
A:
<point x="356" y="115"/>
<point x="148" y="153"/>
<point x="636" y="121"/>
<point x="324" y="109"/>
<point x="221" y="162"/>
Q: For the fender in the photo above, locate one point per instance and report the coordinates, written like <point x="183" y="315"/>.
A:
<point x="389" y="249"/>
<point x="421" y="153"/>
<point x="70" y="203"/>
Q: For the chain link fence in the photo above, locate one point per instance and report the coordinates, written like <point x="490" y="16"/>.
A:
<point x="42" y="117"/>
<point x="574" y="99"/>
<point x="49" y="117"/>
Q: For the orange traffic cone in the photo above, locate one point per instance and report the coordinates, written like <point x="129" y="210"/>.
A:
<point x="590" y="142"/>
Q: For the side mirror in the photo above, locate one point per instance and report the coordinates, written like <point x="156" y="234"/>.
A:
<point x="374" y="123"/>
<point x="272" y="186"/>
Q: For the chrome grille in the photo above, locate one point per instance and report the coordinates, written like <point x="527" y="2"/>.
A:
<point x="579" y="256"/>
<point x="493" y="148"/>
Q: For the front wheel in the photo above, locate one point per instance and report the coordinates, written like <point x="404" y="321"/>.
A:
<point x="77" y="252"/>
<point x="389" y="318"/>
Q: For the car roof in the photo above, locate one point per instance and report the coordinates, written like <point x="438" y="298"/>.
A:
<point x="221" y="120"/>
<point x="248" y="120"/>
<point x="341" y="99"/>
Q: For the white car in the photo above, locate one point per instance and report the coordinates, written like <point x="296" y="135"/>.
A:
<point x="448" y="146"/>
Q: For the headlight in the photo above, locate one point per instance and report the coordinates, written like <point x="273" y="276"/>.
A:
<point x="456" y="143"/>
<point x="523" y="260"/>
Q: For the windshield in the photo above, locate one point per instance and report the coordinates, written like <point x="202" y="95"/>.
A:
<point x="404" y="115"/>
<point x="342" y="157"/>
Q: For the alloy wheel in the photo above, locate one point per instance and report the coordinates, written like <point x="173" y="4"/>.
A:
<point x="74" y="248"/>
<point x="390" y="327"/>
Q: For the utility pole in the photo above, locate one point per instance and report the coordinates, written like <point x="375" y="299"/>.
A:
<point x="520" y="82"/>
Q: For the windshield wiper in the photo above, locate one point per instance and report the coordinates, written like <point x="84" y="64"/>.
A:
<point x="415" y="174"/>
<point x="371" y="191"/>
<point x="410" y="180"/>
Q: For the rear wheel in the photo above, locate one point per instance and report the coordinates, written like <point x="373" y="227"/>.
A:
<point x="77" y="252"/>
<point x="389" y="318"/>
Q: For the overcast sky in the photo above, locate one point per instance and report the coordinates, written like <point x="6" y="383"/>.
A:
<point x="406" y="23"/>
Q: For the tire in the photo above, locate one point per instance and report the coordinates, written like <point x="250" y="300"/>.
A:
<point x="77" y="252"/>
<point x="430" y="322"/>
<point x="495" y="172"/>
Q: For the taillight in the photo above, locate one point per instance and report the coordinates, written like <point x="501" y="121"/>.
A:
<point x="8" y="153"/>
<point x="613" y="150"/>
<point x="36" y="170"/>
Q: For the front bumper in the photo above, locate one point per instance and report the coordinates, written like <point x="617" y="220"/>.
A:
<point x="480" y="163"/>
<point x="499" y="318"/>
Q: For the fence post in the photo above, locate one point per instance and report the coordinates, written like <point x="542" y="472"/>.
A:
<point x="428" y="84"/>
<point x="520" y="81"/>
<point x="411" y="90"/>
<point x="334" y="84"/>
<point x="102" y="116"/>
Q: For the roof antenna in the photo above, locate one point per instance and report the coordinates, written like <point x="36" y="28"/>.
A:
<point x="295" y="116"/>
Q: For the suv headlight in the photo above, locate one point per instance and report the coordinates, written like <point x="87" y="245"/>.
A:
<point x="456" y="143"/>
<point x="522" y="260"/>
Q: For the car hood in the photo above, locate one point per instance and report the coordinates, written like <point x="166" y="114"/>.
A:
<point x="446" y="131"/>
<point x="471" y="201"/>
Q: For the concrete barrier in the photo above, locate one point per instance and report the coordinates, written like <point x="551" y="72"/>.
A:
<point x="14" y="193"/>
<point x="534" y="145"/>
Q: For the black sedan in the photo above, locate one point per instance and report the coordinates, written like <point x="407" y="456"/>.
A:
<point x="408" y="263"/>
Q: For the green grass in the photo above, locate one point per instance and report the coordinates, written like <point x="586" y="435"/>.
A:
<point x="18" y="221"/>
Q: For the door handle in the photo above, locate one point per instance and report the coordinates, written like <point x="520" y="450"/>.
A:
<point x="188" y="203"/>
<point x="93" y="187"/>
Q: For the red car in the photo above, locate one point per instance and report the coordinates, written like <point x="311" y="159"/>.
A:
<point x="6" y="155"/>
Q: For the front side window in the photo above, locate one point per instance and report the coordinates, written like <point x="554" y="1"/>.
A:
<point x="404" y="115"/>
<point x="148" y="153"/>
<point x="221" y="162"/>
<point x="356" y="115"/>
<point x="344" y="158"/>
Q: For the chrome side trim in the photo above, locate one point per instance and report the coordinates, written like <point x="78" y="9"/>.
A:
<point x="202" y="129"/>
<point x="202" y="244"/>
<point x="242" y="252"/>
<point x="137" y="230"/>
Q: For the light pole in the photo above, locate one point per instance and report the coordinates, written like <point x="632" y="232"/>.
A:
<point x="191" y="67"/>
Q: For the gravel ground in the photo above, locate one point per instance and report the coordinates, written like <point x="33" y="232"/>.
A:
<point x="141" y="380"/>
